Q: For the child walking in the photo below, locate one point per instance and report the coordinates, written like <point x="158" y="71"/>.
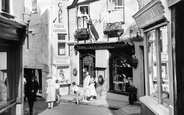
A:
<point x="76" y="91"/>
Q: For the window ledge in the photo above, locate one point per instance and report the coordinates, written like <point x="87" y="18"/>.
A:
<point x="154" y="106"/>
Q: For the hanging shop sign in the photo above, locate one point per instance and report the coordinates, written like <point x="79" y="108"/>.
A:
<point x="149" y="14"/>
<point x="172" y="2"/>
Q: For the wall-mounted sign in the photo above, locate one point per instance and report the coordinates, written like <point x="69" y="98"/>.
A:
<point x="172" y="2"/>
<point x="61" y="60"/>
<point x="59" y="15"/>
<point x="63" y="75"/>
<point x="149" y="14"/>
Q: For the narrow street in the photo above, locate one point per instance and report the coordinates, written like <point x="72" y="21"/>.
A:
<point x="40" y="108"/>
<point x="74" y="109"/>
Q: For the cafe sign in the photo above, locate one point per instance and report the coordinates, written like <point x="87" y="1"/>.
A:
<point x="59" y="16"/>
<point x="149" y="14"/>
<point x="172" y="2"/>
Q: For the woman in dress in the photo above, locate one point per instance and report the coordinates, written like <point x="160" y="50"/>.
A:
<point x="50" y="92"/>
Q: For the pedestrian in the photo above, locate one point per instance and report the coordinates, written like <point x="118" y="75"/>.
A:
<point x="86" y="87"/>
<point x="31" y="88"/>
<point x="92" y="88"/>
<point x="77" y="92"/>
<point x="57" y="86"/>
<point x="50" y="91"/>
<point x="24" y="84"/>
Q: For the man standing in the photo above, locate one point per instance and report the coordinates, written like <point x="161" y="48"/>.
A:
<point x="31" y="89"/>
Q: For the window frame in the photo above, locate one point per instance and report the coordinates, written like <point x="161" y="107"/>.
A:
<point x="82" y="16"/>
<point x="158" y="62"/>
<point x="62" y="42"/>
<point x="5" y="6"/>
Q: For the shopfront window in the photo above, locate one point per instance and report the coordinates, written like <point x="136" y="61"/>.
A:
<point x="4" y="85"/>
<point x="158" y="65"/>
<point x="121" y="74"/>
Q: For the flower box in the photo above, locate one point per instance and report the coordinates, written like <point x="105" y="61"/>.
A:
<point x="113" y="29"/>
<point x="81" y="34"/>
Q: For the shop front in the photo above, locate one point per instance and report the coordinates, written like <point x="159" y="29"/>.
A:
<point x="120" y="73"/>
<point x="112" y="61"/>
<point x="154" y="20"/>
<point x="61" y="72"/>
<point x="12" y="35"/>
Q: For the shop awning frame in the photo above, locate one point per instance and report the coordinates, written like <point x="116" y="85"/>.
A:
<point x="103" y="45"/>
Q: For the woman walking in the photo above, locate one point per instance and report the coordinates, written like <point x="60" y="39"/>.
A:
<point x="50" y="92"/>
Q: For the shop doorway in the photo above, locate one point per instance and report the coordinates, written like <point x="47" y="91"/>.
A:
<point x="120" y="73"/>
<point x="87" y="64"/>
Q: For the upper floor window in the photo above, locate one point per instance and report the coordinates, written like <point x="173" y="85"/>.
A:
<point x="5" y="6"/>
<point x="34" y="6"/>
<point x="61" y="44"/>
<point x="82" y="13"/>
<point x="118" y="4"/>
<point x="116" y="11"/>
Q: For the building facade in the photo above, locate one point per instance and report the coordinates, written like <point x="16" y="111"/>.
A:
<point x="100" y="42"/>
<point x="13" y="32"/>
<point x="162" y="23"/>
<point x="55" y="44"/>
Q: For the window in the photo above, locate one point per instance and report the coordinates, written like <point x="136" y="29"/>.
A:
<point x="4" y="84"/>
<point x="116" y="10"/>
<point x="83" y="12"/>
<point x="34" y="6"/>
<point x="158" y="65"/>
<point x="5" y="6"/>
<point x="61" y="44"/>
<point x="118" y="4"/>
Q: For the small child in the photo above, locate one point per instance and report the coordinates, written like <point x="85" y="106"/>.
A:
<point x="57" y="86"/>
<point x="76" y="91"/>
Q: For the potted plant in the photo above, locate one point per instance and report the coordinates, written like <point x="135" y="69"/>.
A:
<point x="132" y="94"/>
<point x="81" y="34"/>
<point x="113" y="29"/>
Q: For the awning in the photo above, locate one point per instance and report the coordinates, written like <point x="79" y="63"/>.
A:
<point x="11" y="30"/>
<point x="103" y="45"/>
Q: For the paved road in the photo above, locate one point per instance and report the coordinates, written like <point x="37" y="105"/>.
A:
<point x="73" y="109"/>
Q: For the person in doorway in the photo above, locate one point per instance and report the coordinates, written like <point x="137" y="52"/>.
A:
<point x="31" y="88"/>
<point x="50" y="91"/>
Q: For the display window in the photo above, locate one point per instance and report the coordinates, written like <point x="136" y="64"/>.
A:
<point x="121" y="74"/>
<point x="158" y="69"/>
<point x="3" y="79"/>
<point x="8" y="87"/>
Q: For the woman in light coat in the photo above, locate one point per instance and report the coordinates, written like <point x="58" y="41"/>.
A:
<point x="50" y="91"/>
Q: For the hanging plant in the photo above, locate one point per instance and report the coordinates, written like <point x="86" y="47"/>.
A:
<point x="134" y="61"/>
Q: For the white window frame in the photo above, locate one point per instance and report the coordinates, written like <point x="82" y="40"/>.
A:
<point x="62" y="41"/>
<point x="154" y="103"/>
<point x="80" y="15"/>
